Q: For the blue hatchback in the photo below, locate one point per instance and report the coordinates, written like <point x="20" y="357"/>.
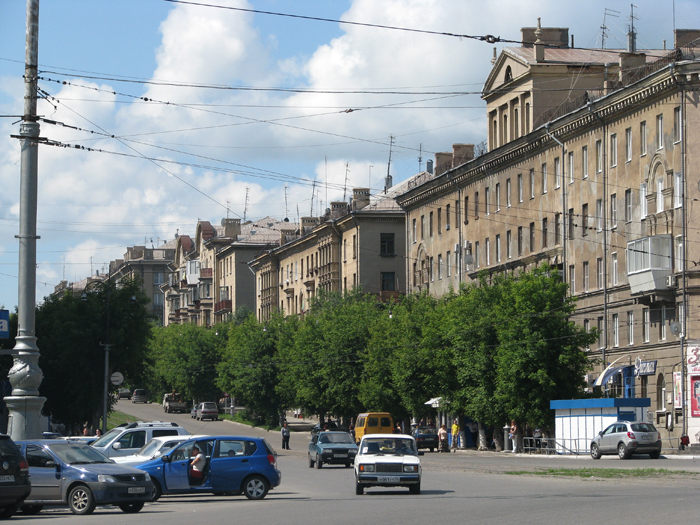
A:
<point x="234" y="465"/>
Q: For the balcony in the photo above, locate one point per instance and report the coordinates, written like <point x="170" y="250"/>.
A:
<point x="206" y="273"/>
<point x="223" y="307"/>
<point x="649" y="263"/>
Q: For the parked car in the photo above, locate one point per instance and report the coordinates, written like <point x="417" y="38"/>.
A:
<point x="124" y="393"/>
<point x="426" y="437"/>
<point x="139" y="396"/>
<point x="127" y="439"/>
<point x="373" y="423"/>
<point x="334" y="448"/>
<point x="388" y="460"/>
<point x="155" y="448"/>
<point x="67" y="473"/>
<point x="234" y="465"/>
<point x="14" y="477"/>
<point x="207" y="410"/>
<point x="173" y="402"/>
<point x="625" y="438"/>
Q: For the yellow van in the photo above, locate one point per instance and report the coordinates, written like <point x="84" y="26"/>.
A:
<point x="373" y="423"/>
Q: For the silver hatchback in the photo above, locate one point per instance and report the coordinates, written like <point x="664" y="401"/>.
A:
<point x="625" y="438"/>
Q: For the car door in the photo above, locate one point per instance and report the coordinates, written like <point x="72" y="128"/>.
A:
<point x="129" y="443"/>
<point x="230" y="463"/>
<point x="45" y="472"/>
<point x="176" y="469"/>
<point x="606" y="440"/>
<point x="206" y="446"/>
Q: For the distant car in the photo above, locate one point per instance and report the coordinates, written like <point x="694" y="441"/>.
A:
<point x="207" y="411"/>
<point x="388" y="460"/>
<point x="334" y="448"/>
<point x="234" y="465"/>
<point x="124" y="393"/>
<point x="88" y="440"/>
<point x="625" y="438"/>
<point x="14" y="477"/>
<point x="328" y="425"/>
<point x="426" y="437"/>
<point x="154" y="449"/>
<point x="73" y="474"/>
<point x="139" y="396"/>
<point x="127" y="439"/>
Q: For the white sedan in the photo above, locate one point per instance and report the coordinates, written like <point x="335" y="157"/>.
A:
<point x="388" y="460"/>
<point x="155" y="448"/>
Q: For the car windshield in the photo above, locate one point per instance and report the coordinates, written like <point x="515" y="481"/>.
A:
<point x="643" y="427"/>
<point x="209" y="406"/>
<point x="328" y="437"/>
<point x="77" y="454"/>
<point x="107" y="438"/>
<point x="427" y="431"/>
<point x="154" y="445"/>
<point x="388" y="446"/>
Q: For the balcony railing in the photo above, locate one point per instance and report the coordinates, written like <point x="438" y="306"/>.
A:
<point x="223" y="307"/>
<point x="649" y="263"/>
<point x="206" y="273"/>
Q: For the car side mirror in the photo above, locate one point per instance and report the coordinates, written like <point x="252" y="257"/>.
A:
<point x="117" y="446"/>
<point x="51" y="464"/>
<point x="600" y="433"/>
<point x="166" y="459"/>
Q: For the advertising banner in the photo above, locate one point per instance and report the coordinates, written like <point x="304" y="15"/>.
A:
<point x="677" y="390"/>
<point x="693" y="360"/>
<point x="695" y="396"/>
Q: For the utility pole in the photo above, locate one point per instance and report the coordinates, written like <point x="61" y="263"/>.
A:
<point x="25" y="375"/>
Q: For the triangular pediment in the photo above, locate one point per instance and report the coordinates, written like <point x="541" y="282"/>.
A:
<point x="508" y="68"/>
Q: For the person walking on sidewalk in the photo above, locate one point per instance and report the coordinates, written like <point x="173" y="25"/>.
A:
<point x="455" y="435"/>
<point x="442" y="438"/>
<point x="285" y="436"/>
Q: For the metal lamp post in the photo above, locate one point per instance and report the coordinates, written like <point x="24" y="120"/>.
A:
<point x="106" y="345"/>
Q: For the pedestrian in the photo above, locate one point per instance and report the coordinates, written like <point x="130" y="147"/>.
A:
<point x="514" y="435"/>
<point x="455" y="435"/>
<point x="537" y="434"/>
<point x="351" y="431"/>
<point x="98" y="432"/>
<point x="86" y="432"/>
<point x="442" y="439"/>
<point x="474" y="430"/>
<point x="198" y="463"/>
<point x="285" y="436"/>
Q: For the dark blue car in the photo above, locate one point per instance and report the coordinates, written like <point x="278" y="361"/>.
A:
<point x="234" y="465"/>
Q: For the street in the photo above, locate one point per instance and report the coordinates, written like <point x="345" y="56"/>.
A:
<point x="465" y="486"/>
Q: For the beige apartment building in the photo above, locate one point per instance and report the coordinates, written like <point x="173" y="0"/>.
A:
<point x="593" y="167"/>
<point x="355" y="245"/>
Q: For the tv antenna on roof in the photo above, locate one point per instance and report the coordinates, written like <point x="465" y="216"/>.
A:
<point x="607" y="13"/>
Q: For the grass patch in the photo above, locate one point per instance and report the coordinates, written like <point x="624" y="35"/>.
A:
<point x="242" y="417"/>
<point x="115" y="419"/>
<point x="608" y="473"/>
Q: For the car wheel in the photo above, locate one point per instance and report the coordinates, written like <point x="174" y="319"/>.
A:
<point x="131" y="508"/>
<point x="622" y="451"/>
<point x="7" y="512"/>
<point x="31" y="510"/>
<point x="347" y="465"/>
<point x="595" y="451"/>
<point x="81" y="500"/>
<point x="431" y="449"/>
<point x="311" y="462"/>
<point x="255" y="487"/>
<point x="359" y="488"/>
<point x="414" y="489"/>
<point x="157" y="491"/>
<point x="319" y="462"/>
<point x="655" y="455"/>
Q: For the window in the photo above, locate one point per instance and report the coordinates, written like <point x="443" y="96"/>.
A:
<point x="487" y="201"/>
<point x="679" y="253"/>
<point x="613" y="272"/>
<point x="616" y="330"/>
<point x="585" y="276"/>
<point x="520" y="241"/>
<point x="388" y="282"/>
<point x="345" y="256"/>
<point x="439" y="219"/>
<point x="422" y="227"/>
<point x="439" y="267"/>
<point x="601" y="333"/>
<point x="557" y="173"/>
<point x="662" y="324"/>
<point x="628" y="205"/>
<point x="476" y="205"/>
<point x="599" y="215"/>
<point x="447" y="264"/>
<point x="572" y="279"/>
<point x="598" y="156"/>
<point x="659" y="195"/>
<point x="447" y="217"/>
<point x="587" y="328"/>
<point x="659" y="132"/>
<point x="487" y="244"/>
<point x="584" y="162"/>
<point x="676" y="124"/>
<point x="498" y="197"/>
<point x="643" y="139"/>
<point x="600" y="277"/>
<point x="544" y="178"/>
<point x="520" y="187"/>
<point x="466" y="210"/>
<point x="532" y="184"/>
<point x="544" y="233"/>
<point x="628" y="144"/>
<point x="613" y="150"/>
<point x="643" y="199"/>
<point x="386" y="244"/>
<point x="509" y="239"/>
<point x="430" y="224"/>
<point x="571" y="167"/>
<point x="630" y="328"/>
<point x="532" y="237"/>
<point x="572" y="224"/>
<point x="677" y="190"/>
<point x="613" y="210"/>
<point x="516" y="123"/>
<point x="508" y="193"/>
<point x="498" y="248"/>
<point x="354" y="251"/>
<point x="415" y="238"/>
<point x="431" y="263"/>
<point x="557" y="228"/>
<point x="476" y="254"/>
<point x="646" y="325"/>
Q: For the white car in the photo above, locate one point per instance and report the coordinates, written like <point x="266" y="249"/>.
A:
<point x="155" y="448"/>
<point x="127" y="439"/>
<point x="388" y="460"/>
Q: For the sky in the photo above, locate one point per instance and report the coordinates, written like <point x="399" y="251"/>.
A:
<point x="190" y="112"/>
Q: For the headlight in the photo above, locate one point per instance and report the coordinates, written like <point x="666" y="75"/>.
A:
<point x="366" y="468"/>
<point x="148" y="478"/>
<point x="410" y="468"/>
<point x="104" y="478"/>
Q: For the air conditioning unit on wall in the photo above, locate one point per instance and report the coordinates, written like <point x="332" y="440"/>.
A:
<point x="670" y="281"/>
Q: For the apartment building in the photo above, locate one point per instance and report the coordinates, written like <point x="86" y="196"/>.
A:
<point x="360" y="244"/>
<point x="591" y="167"/>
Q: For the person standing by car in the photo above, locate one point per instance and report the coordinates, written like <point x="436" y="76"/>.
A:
<point x="442" y="438"/>
<point x="285" y="436"/>
<point x="455" y="435"/>
<point x="197" y="465"/>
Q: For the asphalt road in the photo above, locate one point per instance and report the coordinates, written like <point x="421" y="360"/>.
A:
<point x="460" y="487"/>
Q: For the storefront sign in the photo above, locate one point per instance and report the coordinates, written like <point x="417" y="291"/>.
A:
<point x="645" y="368"/>
<point x="694" y="360"/>
<point x="677" y="390"/>
<point x="695" y="396"/>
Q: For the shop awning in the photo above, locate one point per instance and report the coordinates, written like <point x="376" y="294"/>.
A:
<point x="434" y="402"/>
<point x="609" y="371"/>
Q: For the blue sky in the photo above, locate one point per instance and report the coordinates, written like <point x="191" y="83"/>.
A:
<point x="193" y="153"/>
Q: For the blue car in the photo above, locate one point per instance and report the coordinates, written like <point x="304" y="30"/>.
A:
<point x="334" y="448"/>
<point x="69" y="473"/>
<point x="234" y="465"/>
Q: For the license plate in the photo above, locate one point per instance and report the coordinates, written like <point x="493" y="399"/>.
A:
<point x="5" y="479"/>
<point x="340" y="455"/>
<point x="137" y="490"/>
<point x="388" y="479"/>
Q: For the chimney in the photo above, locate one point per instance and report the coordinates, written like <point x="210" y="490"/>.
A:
<point x="539" y="45"/>
<point x="429" y="166"/>
<point x="338" y="209"/>
<point x="283" y="235"/>
<point x="630" y="62"/>
<point x="684" y="37"/>
<point x="388" y="182"/>
<point x="360" y="198"/>
<point x="462" y="153"/>
<point x="308" y="224"/>
<point x="443" y="162"/>
<point x="232" y="228"/>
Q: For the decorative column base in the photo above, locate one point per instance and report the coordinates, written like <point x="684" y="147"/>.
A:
<point x="25" y="417"/>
